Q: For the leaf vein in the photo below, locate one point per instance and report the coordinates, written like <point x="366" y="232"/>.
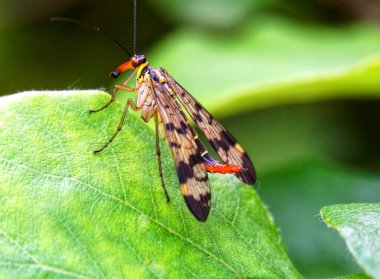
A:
<point x="168" y="229"/>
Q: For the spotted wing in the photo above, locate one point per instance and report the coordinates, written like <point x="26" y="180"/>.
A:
<point x="229" y="150"/>
<point x="180" y="134"/>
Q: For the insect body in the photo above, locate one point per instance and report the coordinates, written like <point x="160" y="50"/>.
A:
<point x="158" y="96"/>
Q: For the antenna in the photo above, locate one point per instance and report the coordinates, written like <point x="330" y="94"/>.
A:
<point x="93" y="28"/>
<point x="134" y="25"/>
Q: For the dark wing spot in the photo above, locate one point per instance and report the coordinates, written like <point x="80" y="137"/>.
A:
<point x="194" y="159"/>
<point x="170" y="127"/>
<point x="248" y="174"/>
<point x="198" y="106"/>
<point x="183" y="125"/>
<point x="228" y="138"/>
<point x="215" y="143"/>
<point x="184" y="172"/>
<point x="183" y="114"/>
<point x="174" y="144"/>
<point x="200" y="208"/>
<point x="198" y="118"/>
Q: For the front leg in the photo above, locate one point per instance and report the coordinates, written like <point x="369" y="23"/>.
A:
<point x="116" y="88"/>
<point x="135" y="108"/>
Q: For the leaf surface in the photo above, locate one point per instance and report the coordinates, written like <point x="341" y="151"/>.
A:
<point x="359" y="226"/>
<point x="66" y="212"/>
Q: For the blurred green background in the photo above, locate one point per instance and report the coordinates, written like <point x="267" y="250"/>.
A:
<point x="297" y="82"/>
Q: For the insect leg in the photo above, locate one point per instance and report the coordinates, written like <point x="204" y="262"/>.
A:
<point x="115" y="90"/>
<point x="129" y="103"/>
<point x="158" y="153"/>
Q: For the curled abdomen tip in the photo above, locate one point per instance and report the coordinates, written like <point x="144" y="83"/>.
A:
<point x="235" y="169"/>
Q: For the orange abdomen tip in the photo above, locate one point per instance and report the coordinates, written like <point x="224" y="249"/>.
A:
<point x="223" y="169"/>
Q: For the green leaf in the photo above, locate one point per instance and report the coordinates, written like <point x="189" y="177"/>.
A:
<point x="295" y="193"/>
<point x="66" y="212"/>
<point x="273" y="61"/>
<point x="359" y="225"/>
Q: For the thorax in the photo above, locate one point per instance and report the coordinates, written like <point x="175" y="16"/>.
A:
<point x="145" y="99"/>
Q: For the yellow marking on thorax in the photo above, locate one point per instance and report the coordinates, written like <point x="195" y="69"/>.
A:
<point x="162" y="79"/>
<point x="140" y="69"/>
<point x="195" y="137"/>
<point x="146" y="77"/>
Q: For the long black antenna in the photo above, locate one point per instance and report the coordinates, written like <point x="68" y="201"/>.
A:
<point x="134" y="25"/>
<point x="93" y="28"/>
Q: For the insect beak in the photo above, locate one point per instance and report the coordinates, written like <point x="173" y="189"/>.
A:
<point x="122" y="68"/>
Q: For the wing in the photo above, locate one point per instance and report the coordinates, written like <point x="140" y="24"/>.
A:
<point x="229" y="150"/>
<point x="180" y="135"/>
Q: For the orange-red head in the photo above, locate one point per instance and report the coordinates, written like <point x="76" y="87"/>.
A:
<point x="131" y="64"/>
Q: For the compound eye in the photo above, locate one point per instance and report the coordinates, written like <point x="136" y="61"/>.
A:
<point x="114" y="74"/>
